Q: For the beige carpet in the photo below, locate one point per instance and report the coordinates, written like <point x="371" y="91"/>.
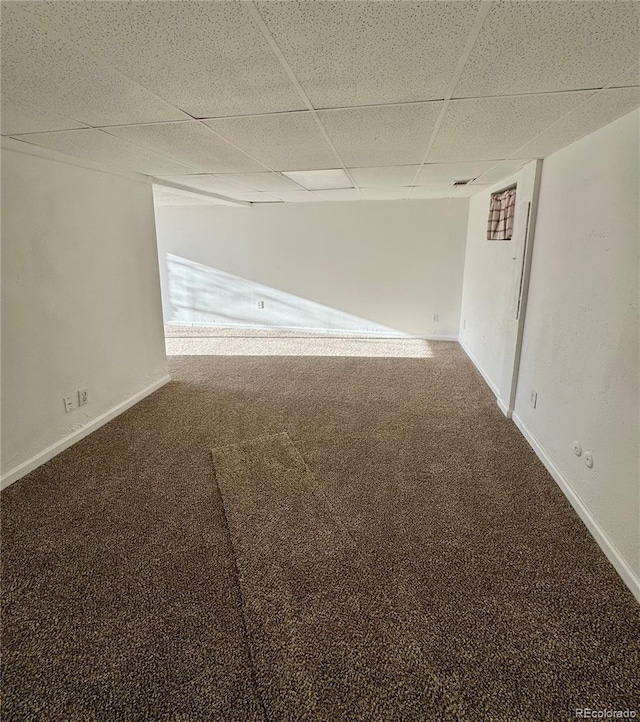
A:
<point x="121" y="598"/>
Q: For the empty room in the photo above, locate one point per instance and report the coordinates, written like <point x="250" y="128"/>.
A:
<point x="320" y="360"/>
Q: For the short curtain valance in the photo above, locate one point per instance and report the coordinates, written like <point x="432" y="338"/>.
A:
<point x="501" y="212"/>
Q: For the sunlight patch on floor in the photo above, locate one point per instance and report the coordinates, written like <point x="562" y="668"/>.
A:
<point x="271" y="343"/>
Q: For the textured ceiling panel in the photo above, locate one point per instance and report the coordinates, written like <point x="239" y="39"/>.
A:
<point x="210" y="183"/>
<point x="191" y="143"/>
<point x="286" y="141"/>
<point x="443" y="191"/>
<point x="384" y="194"/>
<point x="384" y="176"/>
<point x="207" y="58"/>
<point x="24" y="118"/>
<point x="297" y="196"/>
<point x="39" y="67"/>
<point x="492" y="128"/>
<point x="99" y="147"/>
<point x="169" y="197"/>
<point x="533" y="47"/>
<point x="359" y="53"/>
<point x="631" y="77"/>
<point x="435" y="173"/>
<point x="500" y="171"/>
<point x="321" y="179"/>
<point x="262" y="181"/>
<point x="340" y="194"/>
<point x="254" y="196"/>
<point x="600" y="109"/>
<point x="384" y="135"/>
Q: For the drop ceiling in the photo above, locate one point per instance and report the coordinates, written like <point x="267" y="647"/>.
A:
<point x="316" y="101"/>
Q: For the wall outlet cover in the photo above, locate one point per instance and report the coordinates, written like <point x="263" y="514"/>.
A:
<point x="83" y="396"/>
<point x="69" y="403"/>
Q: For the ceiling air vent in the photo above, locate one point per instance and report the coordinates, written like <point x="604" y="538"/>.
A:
<point x="462" y="182"/>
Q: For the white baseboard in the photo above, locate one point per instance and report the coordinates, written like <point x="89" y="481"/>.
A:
<point x="483" y="373"/>
<point x="613" y="555"/>
<point x="505" y="409"/>
<point x="35" y="461"/>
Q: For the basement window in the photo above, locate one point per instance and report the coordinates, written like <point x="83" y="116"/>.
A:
<point x="502" y="209"/>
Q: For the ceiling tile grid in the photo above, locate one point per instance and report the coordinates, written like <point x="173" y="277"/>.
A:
<point x="26" y="118"/>
<point x="40" y="68"/>
<point x="100" y="147"/>
<point x="538" y="47"/>
<point x="361" y="53"/>
<point x="206" y="58"/>
<point x="117" y="83"/>
<point x="205" y="182"/>
<point x="598" y="110"/>
<point x="191" y="143"/>
<point x="492" y="128"/>
<point x="381" y="135"/>
<point x="385" y="176"/>
<point x="283" y="142"/>
<point x="261" y="181"/>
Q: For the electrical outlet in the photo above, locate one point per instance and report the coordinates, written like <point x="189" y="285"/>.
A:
<point x="83" y="396"/>
<point x="70" y="403"/>
<point x="260" y="304"/>
<point x="436" y="318"/>
<point x="533" y="398"/>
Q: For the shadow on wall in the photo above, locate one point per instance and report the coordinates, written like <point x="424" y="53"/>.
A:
<point x="206" y="296"/>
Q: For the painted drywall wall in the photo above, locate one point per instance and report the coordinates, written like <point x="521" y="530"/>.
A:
<point x="80" y="299"/>
<point x="370" y="266"/>
<point x="487" y="294"/>
<point x="580" y="345"/>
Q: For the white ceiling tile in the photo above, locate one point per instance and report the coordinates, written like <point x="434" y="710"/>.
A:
<point x="443" y="191"/>
<point x="503" y="169"/>
<point x="600" y="109"/>
<point x="41" y="68"/>
<point x="284" y="141"/>
<point x="261" y="181"/>
<point x="25" y="118"/>
<point x="340" y="194"/>
<point x="385" y="194"/>
<point x="255" y="196"/>
<point x="210" y="183"/>
<point x="207" y="58"/>
<point x="435" y="173"/>
<point x="170" y="197"/>
<point x="100" y="147"/>
<point x="492" y="128"/>
<point x="630" y="77"/>
<point x="532" y="47"/>
<point x="321" y="179"/>
<point x="297" y="197"/>
<point x="359" y="53"/>
<point x="384" y="135"/>
<point x="191" y="143"/>
<point x="384" y="176"/>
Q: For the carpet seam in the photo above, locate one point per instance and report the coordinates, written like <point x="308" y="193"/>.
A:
<point x="366" y="566"/>
<point x="254" y="678"/>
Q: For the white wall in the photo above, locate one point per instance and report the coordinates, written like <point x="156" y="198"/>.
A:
<point x="80" y="300"/>
<point x="580" y="345"/>
<point x="488" y="285"/>
<point x="363" y="266"/>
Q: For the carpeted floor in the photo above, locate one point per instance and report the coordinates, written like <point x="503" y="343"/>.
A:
<point x="121" y="598"/>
